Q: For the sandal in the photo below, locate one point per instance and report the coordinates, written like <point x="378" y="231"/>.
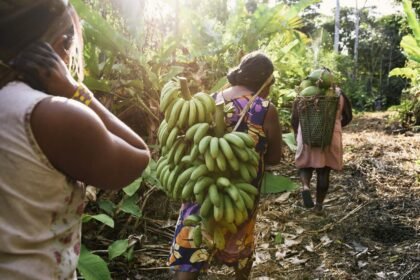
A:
<point x="307" y="199"/>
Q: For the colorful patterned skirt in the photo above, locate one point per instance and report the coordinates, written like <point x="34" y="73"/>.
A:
<point x="186" y="257"/>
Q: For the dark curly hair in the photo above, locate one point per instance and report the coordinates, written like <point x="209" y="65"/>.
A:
<point x="254" y="69"/>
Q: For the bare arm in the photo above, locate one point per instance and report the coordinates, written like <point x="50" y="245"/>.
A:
<point x="77" y="143"/>
<point x="87" y="144"/>
<point x="272" y="131"/>
<point x="44" y="70"/>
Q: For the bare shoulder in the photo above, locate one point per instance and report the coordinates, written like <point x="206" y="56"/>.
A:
<point x="64" y="114"/>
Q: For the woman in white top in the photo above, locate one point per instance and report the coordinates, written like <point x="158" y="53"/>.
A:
<point x="54" y="135"/>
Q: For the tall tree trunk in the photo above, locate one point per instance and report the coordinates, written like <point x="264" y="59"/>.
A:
<point x="337" y="26"/>
<point x="356" y="41"/>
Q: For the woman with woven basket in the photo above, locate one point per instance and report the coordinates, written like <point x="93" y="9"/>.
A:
<point x="253" y="75"/>
<point x="321" y="158"/>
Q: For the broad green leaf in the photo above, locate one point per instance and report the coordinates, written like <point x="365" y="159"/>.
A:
<point x="276" y="183"/>
<point x="103" y="218"/>
<point x="411" y="48"/>
<point x="117" y="248"/>
<point x="108" y="206"/>
<point x="413" y="22"/>
<point x="101" y="32"/>
<point x="133" y="187"/>
<point x="289" y="139"/>
<point x="130" y="206"/>
<point x="405" y="72"/>
<point x="92" y="267"/>
<point x="129" y="255"/>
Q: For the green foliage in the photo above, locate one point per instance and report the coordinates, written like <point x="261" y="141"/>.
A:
<point x="105" y="219"/>
<point x="129" y="205"/>
<point x="117" y="248"/>
<point x="289" y="139"/>
<point x="411" y="49"/>
<point x="92" y="267"/>
<point x="276" y="183"/>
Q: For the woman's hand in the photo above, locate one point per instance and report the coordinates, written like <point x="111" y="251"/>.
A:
<point x="41" y="67"/>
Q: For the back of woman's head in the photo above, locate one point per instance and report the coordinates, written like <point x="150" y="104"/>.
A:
<point x="23" y="22"/>
<point x="253" y="70"/>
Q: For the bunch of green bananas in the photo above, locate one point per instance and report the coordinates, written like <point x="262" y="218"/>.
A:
<point x="182" y="110"/>
<point x="202" y="162"/>
<point x="318" y="83"/>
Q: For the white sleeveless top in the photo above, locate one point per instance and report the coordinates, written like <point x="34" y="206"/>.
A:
<point x="40" y="208"/>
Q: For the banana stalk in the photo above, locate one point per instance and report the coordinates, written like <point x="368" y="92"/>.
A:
<point x="185" y="91"/>
<point x="219" y="117"/>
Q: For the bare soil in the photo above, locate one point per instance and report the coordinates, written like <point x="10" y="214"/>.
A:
<point x="369" y="228"/>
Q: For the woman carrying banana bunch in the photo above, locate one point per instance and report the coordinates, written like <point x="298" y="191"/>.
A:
<point x="253" y="75"/>
<point x="54" y="137"/>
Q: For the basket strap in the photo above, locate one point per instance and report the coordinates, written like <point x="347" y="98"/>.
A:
<point x="251" y="100"/>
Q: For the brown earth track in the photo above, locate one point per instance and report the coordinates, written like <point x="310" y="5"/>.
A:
<point x="369" y="229"/>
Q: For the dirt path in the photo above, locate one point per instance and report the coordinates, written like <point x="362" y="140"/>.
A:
<point x="371" y="225"/>
<point x="370" y="228"/>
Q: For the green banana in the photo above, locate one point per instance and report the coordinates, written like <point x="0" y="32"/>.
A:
<point x="191" y="131"/>
<point x="201" y="110"/>
<point x="201" y="132"/>
<point x="221" y="162"/>
<point x="246" y="138"/>
<point x="235" y="140"/>
<point x="223" y="182"/>
<point x="218" y="212"/>
<point x="188" y="190"/>
<point x="194" y="153"/>
<point x="210" y="162"/>
<point x="174" y="116"/>
<point x="253" y="172"/>
<point x="233" y="163"/>
<point x="192" y="118"/>
<point x="233" y="193"/>
<point x="179" y="153"/>
<point x="197" y="236"/>
<point x="242" y="154"/>
<point x="162" y="162"/>
<point x="172" y="137"/>
<point x="249" y="202"/>
<point x="181" y="180"/>
<point x="199" y="198"/>
<point x="214" y="147"/>
<point x="201" y="170"/>
<point x="183" y="115"/>
<point x="202" y="184"/>
<point x="205" y="209"/>
<point x="214" y="195"/>
<point x="186" y="159"/>
<point x="207" y="101"/>
<point x="248" y="188"/>
<point x="167" y="99"/>
<point x="228" y="212"/>
<point x="226" y="149"/>
<point x="243" y="171"/>
<point x="204" y="144"/>
<point x="192" y="220"/>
